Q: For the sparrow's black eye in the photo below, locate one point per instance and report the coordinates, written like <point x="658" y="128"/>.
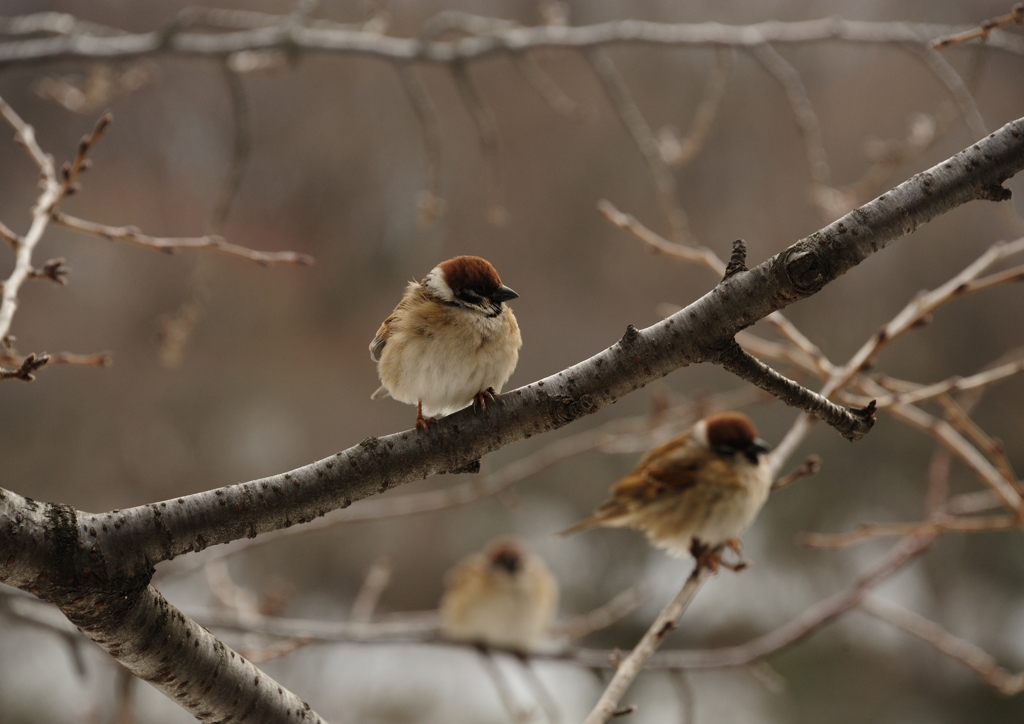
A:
<point x="474" y="295"/>
<point x="725" y="451"/>
<point x="750" y="450"/>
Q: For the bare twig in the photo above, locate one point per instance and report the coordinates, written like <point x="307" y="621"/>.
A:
<point x="518" y="712"/>
<point x="629" y="113"/>
<point x="408" y="627"/>
<point x="124" y="696"/>
<point x="982" y="32"/>
<point x="803" y="625"/>
<point x="32" y="612"/>
<point x="693" y="254"/>
<point x="629" y="668"/>
<point x="540" y="692"/>
<point x="71" y="171"/>
<point x="226" y="593"/>
<point x="959" y="446"/>
<point x="810" y="466"/>
<point x="913" y="315"/>
<point x="964" y="99"/>
<point x="886" y="156"/>
<point x="50" y="195"/>
<point x="684" y="694"/>
<point x="241" y="149"/>
<point x="947" y="75"/>
<point x="430" y="202"/>
<point x="133" y="235"/>
<point x="803" y="112"/>
<point x="11" y="237"/>
<point x="395" y="628"/>
<point x="275" y="650"/>
<point x="376" y="581"/>
<point x="176" y="328"/>
<point x="967" y="427"/>
<point x="97" y="359"/>
<point x="547" y="88"/>
<point x="57" y="23"/>
<point x="604" y="616"/>
<point x="868" y="531"/>
<point x="708" y="258"/>
<point x="919" y="308"/>
<point x="763" y="673"/>
<point x="953" y="384"/>
<point x="487" y="130"/>
<point x="103" y="83"/>
<point x="678" y="152"/>
<point x="27" y="368"/>
<point x="967" y="653"/>
<point x="54" y="270"/>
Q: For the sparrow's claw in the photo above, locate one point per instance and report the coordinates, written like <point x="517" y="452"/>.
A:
<point x="423" y="423"/>
<point x="735" y="567"/>
<point x="705" y="555"/>
<point x="710" y="557"/>
<point x="480" y="398"/>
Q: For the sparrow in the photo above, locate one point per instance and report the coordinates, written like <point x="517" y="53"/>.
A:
<point x="451" y="342"/>
<point x="504" y="597"/>
<point x="695" y="493"/>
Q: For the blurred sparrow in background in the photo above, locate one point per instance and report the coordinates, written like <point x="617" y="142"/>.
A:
<point x="450" y="342"/>
<point x="696" y="492"/>
<point x="505" y="597"/>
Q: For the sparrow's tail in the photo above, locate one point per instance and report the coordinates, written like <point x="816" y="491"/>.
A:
<point x="382" y="391"/>
<point x="582" y="525"/>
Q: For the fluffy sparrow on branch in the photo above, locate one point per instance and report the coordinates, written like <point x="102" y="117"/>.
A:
<point x="450" y="342"/>
<point x="505" y="597"/>
<point x="695" y="493"/>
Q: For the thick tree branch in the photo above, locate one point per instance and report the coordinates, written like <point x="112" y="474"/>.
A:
<point x="852" y="424"/>
<point x="159" y="644"/>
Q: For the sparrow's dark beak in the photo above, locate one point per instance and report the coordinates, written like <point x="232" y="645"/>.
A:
<point x="503" y="294"/>
<point x="757" y="447"/>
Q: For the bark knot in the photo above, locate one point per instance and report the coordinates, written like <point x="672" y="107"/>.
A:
<point x="804" y="268"/>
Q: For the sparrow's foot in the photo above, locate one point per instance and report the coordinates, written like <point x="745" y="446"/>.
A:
<point x="736" y="547"/>
<point x="423" y="423"/>
<point x="480" y="398"/>
<point x="736" y="567"/>
<point x="705" y="555"/>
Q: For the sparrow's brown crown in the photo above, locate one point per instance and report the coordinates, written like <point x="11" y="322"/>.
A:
<point x="505" y="555"/>
<point x="730" y="429"/>
<point x="730" y="433"/>
<point x="470" y="272"/>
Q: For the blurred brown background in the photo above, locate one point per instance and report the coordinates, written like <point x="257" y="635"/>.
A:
<point x="277" y="372"/>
